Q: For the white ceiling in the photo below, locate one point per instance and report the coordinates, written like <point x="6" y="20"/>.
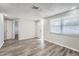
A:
<point x="20" y="10"/>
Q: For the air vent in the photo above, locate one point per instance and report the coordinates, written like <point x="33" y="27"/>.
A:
<point x="35" y="7"/>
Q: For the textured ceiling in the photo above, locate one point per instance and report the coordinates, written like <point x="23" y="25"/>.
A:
<point x="25" y="9"/>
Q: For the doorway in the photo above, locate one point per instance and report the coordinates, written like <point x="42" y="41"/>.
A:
<point x="38" y="28"/>
<point x="10" y="29"/>
<point x="16" y="29"/>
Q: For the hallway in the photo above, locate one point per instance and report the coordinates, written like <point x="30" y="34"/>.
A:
<point x="33" y="47"/>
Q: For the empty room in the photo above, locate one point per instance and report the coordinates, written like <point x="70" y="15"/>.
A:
<point x="39" y="29"/>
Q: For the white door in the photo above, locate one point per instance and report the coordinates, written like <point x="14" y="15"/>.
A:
<point x="9" y="29"/>
<point x="38" y="29"/>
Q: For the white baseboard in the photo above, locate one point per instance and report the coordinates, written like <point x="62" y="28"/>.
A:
<point x="1" y="44"/>
<point x="28" y="38"/>
<point x="64" y="46"/>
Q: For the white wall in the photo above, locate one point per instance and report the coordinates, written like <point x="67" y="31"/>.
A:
<point x="26" y="29"/>
<point x="66" y="41"/>
<point x="13" y="36"/>
<point x="1" y="30"/>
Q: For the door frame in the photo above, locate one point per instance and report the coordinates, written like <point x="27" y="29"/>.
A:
<point x="38" y="28"/>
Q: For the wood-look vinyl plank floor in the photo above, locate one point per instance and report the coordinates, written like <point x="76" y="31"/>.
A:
<point x="34" y="47"/>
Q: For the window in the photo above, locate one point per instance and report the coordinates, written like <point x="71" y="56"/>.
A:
<point x="67" y="25"/>
<point x="55" y="26"/>
<point x="71" y="25"/>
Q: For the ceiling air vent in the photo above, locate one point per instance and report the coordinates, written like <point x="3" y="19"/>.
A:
<point x="35" y="7"/>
